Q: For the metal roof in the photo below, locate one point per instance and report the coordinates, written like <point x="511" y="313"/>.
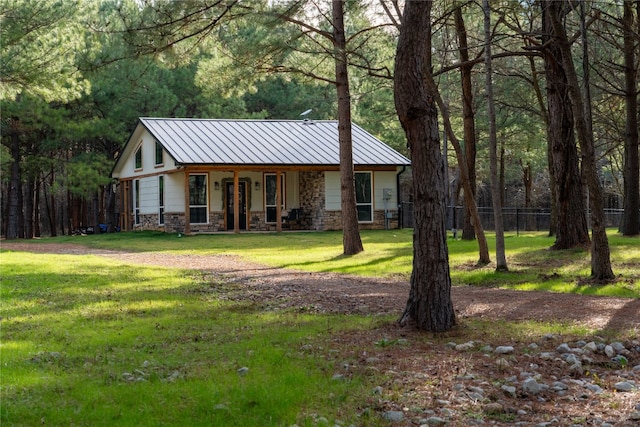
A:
<point x="259" y="142"/>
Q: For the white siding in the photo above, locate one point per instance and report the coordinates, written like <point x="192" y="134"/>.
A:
<point x="174" y="192"/>
<point x="149" y="195"/>
<point x="381" y="180"/>
<point x="256" y="195"/>
<point x="332" y="191"/>
<point x="148" y="144"/>
<point x="292" y="188"/>
<point x="215" y="196"/>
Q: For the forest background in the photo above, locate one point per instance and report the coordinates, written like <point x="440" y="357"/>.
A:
<point x="76" y="75"/>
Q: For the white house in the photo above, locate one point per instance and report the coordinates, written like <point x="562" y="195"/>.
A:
<point x="197" y="175"/>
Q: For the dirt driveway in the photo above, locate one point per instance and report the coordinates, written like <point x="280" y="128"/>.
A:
<point x="338" y="293"/>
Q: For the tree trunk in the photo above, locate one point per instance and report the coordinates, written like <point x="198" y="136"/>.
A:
<point x="468" y="120"/>
<point x="53" y="208"/>
<point x="631" y="217"/>
<point x="601" y="270"/>
<point x="15" y="187"/>
<point x="429" y="306"/>
<point x="483" y="248"/>
<point x="571" y="228"/>
<point x="545" y="116"/>
<point x="29" y="208"/>
<point x="496" y="192"/>
<point x="527" y="181"/>
<point x="352" y="244"/>
<point x="36" y="209"/>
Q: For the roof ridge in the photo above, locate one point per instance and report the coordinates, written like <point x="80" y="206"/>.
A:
<point x="238" y="120"/>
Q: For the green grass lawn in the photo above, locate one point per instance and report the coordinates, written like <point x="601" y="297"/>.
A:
<point x="89" y="341"/>
<point x="388" y="253"/>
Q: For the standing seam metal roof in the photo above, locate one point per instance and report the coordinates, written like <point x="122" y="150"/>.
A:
<point x="257" y="142"/>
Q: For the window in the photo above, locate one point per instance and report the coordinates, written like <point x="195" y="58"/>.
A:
<point x="159" y="151"/>
<point x="363" y="196"/>
<point x="198" y="199"/>
<point x="136" y="201"/>
<point x="138" y="164"/>
<point x="161" y="200"/>
<point x="270" y="195"/>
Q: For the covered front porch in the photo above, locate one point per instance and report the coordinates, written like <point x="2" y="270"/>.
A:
<point x="206" y="199"/>
<point x="241" y="200"/>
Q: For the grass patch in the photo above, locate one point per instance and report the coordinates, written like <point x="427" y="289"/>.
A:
<point x="87" y="341"/>
<point x="389" y="253"/>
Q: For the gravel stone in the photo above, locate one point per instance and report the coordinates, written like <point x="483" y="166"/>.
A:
<point x="609" y="351"/>
<point x="393" y="416"/>
<point x="504" y="349"/>
<point x="531" y="386"/>
<point x="623" y="386"/>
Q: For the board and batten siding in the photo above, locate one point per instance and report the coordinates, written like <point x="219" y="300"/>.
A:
<point x="380" y="180"/>
<point x="173" y="192"/>
<point x="148" y="144"/>
<point x="149" y="195"/>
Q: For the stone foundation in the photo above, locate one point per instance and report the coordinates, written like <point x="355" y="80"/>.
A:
<point x="333" y="221"/>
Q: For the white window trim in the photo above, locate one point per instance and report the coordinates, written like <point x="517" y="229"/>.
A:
<point x="370" y="196"/>
<point x="283" y="182"/>
<point x="206" y="181"/>
<point x="161" y="198"/>
<point x="135" y="154"/>
<point x="136" y="202"/>
<point x="157" y="144"/>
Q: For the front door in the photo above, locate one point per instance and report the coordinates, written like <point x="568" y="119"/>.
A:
<point x="242" y="189"/>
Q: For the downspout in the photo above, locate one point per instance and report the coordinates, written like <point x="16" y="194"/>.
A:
<point x="400" y="216"/>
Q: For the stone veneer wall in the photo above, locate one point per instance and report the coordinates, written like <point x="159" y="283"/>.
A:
<point x="148" y="222"/>
<point x="174" y="223"/>
<point x="312" y="196"/>
<point x="333" y="221"/>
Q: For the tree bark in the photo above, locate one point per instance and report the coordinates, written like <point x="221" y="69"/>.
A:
<point x="468" y="120"/>
<point x="571" y="228"/>
<point x="601" y="270"/>
<point x="15" y="187"/>
<point x="631" y="217"/>
<point x="429" y="306"/>
<point x="352" y="244"/>
<point x="483" y="248"/>
<point x="496" y="191"/>
<point x="29" y="208"/>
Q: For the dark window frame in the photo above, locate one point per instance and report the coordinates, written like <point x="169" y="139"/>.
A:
<point x="364" y="196"/>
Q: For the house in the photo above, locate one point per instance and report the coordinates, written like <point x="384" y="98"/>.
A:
<point x="197" y="175"/>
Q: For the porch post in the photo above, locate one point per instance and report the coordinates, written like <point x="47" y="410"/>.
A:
<point x="278" y="202"/>
<point x="236" y="202"/>
<point x="125" y="217"/>
<point x="187" y="200"/>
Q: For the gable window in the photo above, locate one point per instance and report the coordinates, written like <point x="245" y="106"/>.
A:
<point x="159" y="151"/>
<point x="270" y="195"/>
<point x="161" y="200"/>
<point x="136" y="202"/>
<point x="138" y="158"/>
<point x="364" y="203"/>
<point x="198" y="197"/>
